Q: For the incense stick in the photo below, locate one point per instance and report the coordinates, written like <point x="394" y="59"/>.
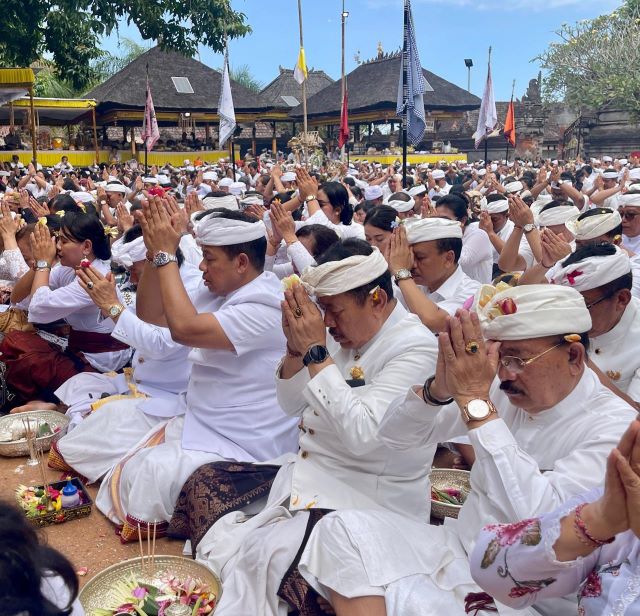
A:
<point x="153" y="552"/>
<point x="140" y="545"/>
<point x="148" y="543"/>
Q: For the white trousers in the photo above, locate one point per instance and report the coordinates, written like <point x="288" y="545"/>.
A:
<point x="101" y="440"/>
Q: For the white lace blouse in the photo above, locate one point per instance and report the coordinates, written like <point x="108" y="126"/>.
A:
<point x="516" y="564"/>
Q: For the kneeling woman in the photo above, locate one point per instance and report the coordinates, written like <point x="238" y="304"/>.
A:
<point x="34" y="366"/>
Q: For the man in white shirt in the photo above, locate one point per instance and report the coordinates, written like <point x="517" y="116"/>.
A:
<point x="64" y="164"/>
<point x="340" y="389"/>
<point x="423" y="258"/>
<point x="602" y="274"/>
<point x="438" y="186"/>
<point x="630" y="212"/>
<point x="536" y="446"/>
<point x="233" y="325"/>
<point x="494" y="221"/>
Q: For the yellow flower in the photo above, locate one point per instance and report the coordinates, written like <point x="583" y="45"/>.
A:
<point x="111" y="232"/>
<point x="290" y="281"/>
<point x="42" y="221"/>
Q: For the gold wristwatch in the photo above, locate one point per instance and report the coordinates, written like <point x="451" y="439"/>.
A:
<point x="477" y="410"/>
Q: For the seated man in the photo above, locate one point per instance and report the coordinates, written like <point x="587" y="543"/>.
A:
<point x="602" y="274"/>
<point x="541" y="431"/>
<point x="229" y="410"/>
<point x="339" y="390"/>
<point x="427" y="254"/>
<point x="127" y="405"/>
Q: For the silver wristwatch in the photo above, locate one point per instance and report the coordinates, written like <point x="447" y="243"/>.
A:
<point x="402" y="274"/>
<point x="529" y="227"/>
<point x="163" y="258"/>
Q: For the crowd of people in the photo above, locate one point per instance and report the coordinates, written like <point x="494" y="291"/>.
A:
<point x="268" y="358"/>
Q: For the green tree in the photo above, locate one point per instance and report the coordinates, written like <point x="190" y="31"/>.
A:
<point x="70" y="31"/>
<point x="242" y="74"/>
<point x="597" y="61"/>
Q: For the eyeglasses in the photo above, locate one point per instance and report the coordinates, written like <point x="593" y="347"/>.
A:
<point x="628" y="215"/>
<point x="517" y="364"/>
<point x="601" y="299"/>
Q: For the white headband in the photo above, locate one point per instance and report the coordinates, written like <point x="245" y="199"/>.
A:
<point x="593" y="226"/>
<point x="593" y="272"/>
<point x="495" y="207"/>
<point x="401" y="206"/>
<point x="533" y="311"/>
<point x="557" y="215"/>
<point x="252" y="200"/>
<point x="631" y="199"/>
<point x="514" y="187"/>
<point x="428" y="229"/>
<point x="129" y="253"/>
<point x="337" y="277"/>
<point x="213" y="230"/>
<point x="228" y="201"/>
<point x="116" y="187"/>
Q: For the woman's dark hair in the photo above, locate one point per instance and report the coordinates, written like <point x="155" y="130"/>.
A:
<point x="69" y="184"/>
<point x="349" y="248"/>
<point x="81" y="227"/>
<point x="554" y="203"/>
<point x="24" y="562"/>
<point x="255" y="249"/>
<point x="64" y="202"/>
<point x="339" y="198"/>
<point x="381" y="217"/>
<point x="457" y="204"/>
<point x="602" y="210"/>
<point x="323" y="237"/>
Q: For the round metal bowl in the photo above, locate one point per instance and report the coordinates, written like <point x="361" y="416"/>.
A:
<point x="442" y="478"/>
<point x="13" y="449"/>
<point x="97" y="592"/>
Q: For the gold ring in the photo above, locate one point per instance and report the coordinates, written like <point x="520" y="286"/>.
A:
<point x="297" y="312"/>
<point x="472" y="347"/>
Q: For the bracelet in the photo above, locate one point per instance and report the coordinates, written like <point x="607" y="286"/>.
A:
<point x="292" y="353"/>
<point x="429" y="398"/>
<point x="581" y="530"/>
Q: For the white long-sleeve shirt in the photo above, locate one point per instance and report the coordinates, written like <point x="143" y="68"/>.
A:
<point x="525" y="463"/>
<point x="476" y="258"/>
<point x="341" y="462"/>
<point x="299" y="259"/>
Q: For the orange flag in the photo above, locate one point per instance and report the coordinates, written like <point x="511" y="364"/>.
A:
<point x="510" y="125"/>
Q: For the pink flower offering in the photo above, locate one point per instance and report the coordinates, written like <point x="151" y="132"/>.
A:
<point x="85" y="263"/>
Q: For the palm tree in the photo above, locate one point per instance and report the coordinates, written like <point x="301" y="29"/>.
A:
<point x="242" y="75"/>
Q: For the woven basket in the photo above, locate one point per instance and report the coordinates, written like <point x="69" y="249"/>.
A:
<point x="442" y="478"/>
<point x="14" y="449"/>
<point x="96" y="592"/>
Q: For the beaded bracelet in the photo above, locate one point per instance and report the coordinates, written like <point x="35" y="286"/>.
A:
<point x="581" y="530"/>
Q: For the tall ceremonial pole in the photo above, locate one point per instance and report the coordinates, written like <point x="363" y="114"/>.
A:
<point x="345" y="147"/>
<point x="304" y="88"/>
<point x="405" y="93"/>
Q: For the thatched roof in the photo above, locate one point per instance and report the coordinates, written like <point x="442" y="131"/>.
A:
<point x="126" y="89"/>
<point x="284" y="91"/>
<point x="374" y="86"/>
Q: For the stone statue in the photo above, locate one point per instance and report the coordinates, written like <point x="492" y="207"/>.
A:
<point x="533" y="91"/>
<point x="380" y="50"/>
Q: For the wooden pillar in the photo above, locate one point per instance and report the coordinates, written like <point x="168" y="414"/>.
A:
<point x="133" y="143"/>
<point x="254" y="145"/>
<point x="206" y="135"/>
<point x="34" y="140"/>
<point x="274" y="145"/>
<point x="95" y="135"/>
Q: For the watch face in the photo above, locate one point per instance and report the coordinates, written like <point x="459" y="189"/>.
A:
<point x="42" y="264"/>
<point x="114" y="311"/>
<point x="318" y="354"/>
<point x="161" y="258"/>
<point x="478" y="409"/>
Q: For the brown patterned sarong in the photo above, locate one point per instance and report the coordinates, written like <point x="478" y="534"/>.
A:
<point x="214" y="490"/>
<point x="294" y="589"/>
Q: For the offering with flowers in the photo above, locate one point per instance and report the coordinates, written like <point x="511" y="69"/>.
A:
<point x="158" y="596"/>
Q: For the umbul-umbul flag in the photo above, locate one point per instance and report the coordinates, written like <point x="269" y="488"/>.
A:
<point x="225" y="105"/>
<point x="488" y="117"/>
<point x="150" y="130"/>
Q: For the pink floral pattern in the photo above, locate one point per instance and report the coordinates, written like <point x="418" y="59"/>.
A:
<point x="508" y="534"/>
<point x="592" y="586"/>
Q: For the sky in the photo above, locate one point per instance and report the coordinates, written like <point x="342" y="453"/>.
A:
<point x="447" y="32"/>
